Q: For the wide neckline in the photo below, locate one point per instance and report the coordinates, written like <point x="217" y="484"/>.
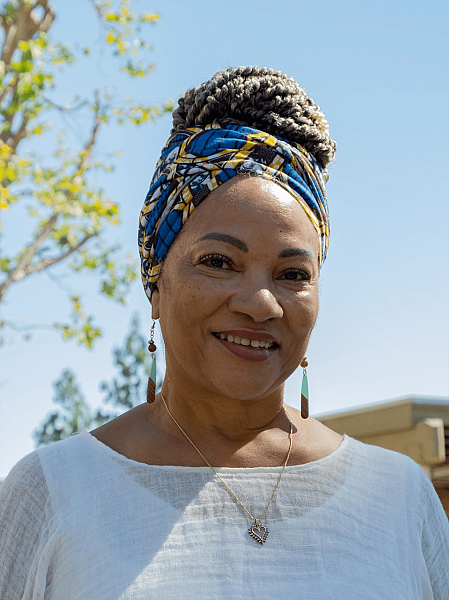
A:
<point x="124" y="459"/>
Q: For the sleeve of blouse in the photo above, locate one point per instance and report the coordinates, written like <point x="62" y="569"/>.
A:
<point x="435" y="540"/>
<point x="24" y="517"/>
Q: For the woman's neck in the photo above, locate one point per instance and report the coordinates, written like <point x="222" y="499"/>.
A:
<point x="222" y="419"/>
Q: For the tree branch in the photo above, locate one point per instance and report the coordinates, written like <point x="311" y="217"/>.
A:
<point x="49" y="262"/>
<point x="19" y="134"/>
<point x="23" y="268"/>
<point x="10" y="88"/>
<point x="18" y="272"/>
<point x="12" y="325"/>
<point x="25" y="193"/>
<point x="64" y="109"/>
<point x="88" y="146"/>
<point x="24" y="27"/>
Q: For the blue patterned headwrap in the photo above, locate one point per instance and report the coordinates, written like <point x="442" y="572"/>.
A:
<point x="195" y="161"/>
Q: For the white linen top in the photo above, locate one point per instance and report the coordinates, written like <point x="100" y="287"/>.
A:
<point x="80" y="521"/>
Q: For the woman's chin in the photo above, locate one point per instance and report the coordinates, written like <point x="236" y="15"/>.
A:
<point x="244" y="389"/>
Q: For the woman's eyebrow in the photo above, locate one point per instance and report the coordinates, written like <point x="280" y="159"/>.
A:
<point x="295" y="252"/>
<point x="228" y="239"/>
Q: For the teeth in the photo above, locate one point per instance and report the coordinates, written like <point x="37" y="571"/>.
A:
<point x="245" y="341"/>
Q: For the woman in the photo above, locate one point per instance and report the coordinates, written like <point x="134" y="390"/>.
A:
<point x="212" y="488"/>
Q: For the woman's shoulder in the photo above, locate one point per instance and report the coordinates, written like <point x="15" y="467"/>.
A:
<point x="390" y="474"/>
<point x="363" y="456"/>
<point x="381" y="459"/>
<point x="26" y="477"/>
<point x="32" y="475"/>
<point x="372" y="462"/>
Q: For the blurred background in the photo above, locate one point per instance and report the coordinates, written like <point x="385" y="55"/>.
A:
<point x="85" y="109"/>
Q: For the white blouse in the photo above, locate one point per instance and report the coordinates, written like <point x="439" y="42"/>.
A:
<point x="78" y="521"/>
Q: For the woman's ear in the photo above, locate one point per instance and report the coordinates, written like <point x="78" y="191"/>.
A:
<point x="155" y="298"/>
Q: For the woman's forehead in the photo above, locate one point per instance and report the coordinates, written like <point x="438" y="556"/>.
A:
<point x="250" y="208"/>
<point x="253" y="199"/>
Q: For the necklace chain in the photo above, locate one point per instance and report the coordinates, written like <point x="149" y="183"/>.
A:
<point x="256" y="521"/>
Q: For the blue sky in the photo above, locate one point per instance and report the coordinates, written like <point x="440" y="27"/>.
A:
<point x="379" y="71"/>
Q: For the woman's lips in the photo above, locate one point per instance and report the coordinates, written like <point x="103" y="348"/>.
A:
<point x="250" y="334"/>
<point x="247" y="352"/>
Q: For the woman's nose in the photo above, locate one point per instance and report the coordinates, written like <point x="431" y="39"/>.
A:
<point x="256" y="301"/>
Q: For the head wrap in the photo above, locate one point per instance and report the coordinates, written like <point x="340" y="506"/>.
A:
<point x="196" y="160"/>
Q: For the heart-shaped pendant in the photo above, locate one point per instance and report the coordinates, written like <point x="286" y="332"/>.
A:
<point x="259" y="533"/>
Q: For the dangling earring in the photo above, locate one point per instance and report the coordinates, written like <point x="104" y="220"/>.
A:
<point x="304" y="390"/>
<point x="151" y="387"/>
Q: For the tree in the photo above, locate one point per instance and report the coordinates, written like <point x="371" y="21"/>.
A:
<point x="70" y="211"/>
<point x="133" y="364"/>
<point x="75" y="415"/>
<point x="127" y="389"/>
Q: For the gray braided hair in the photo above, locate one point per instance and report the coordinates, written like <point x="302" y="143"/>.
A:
<point x="261" y="98"/>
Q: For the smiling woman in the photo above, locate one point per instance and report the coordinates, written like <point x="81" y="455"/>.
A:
<point x="221" y="292"/>
<point x="211" y="488"/>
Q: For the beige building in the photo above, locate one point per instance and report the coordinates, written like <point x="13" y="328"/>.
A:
<point x="417" y="426"/>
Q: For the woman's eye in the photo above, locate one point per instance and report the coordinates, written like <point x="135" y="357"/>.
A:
<point x="296" y="275"/>
<point x="216" y="261"/>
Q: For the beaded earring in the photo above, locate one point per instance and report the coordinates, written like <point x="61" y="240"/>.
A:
<point x="304" y="390"/>
<point x="151" y="387"/>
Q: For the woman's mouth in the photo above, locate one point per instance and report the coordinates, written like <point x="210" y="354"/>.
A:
<point x="246" y="348"/>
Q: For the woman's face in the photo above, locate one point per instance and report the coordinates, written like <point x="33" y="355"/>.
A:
<point x="238" y="297"/>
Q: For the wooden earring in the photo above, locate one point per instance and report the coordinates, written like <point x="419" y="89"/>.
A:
<point x="151" y="387"/>
<point x="304" y="390"/>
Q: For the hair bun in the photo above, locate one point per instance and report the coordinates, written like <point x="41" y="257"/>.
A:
<point x="261" y="98"/>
